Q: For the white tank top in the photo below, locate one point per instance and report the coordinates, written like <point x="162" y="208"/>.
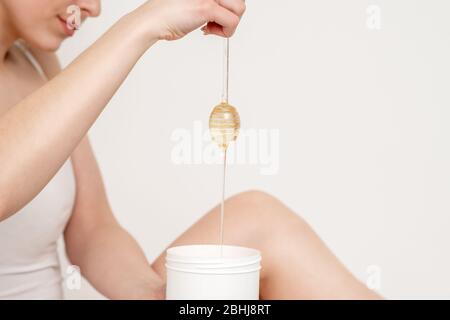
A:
<point x="29" y="262"/>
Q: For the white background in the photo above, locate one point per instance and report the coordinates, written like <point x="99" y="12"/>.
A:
<point x="363" y="117"/>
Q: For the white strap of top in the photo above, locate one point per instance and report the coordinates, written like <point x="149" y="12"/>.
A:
<point x="22" y="47"/>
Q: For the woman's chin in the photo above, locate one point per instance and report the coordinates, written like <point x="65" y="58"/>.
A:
<point x="50" y="45"/>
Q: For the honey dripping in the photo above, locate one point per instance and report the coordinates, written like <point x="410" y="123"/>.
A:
<point x="224" y="125"/>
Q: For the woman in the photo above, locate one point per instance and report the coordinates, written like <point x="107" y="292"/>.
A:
<point x="50" y="183"/>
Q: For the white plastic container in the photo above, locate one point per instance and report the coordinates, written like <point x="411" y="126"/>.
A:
<point x="200" y="272"/>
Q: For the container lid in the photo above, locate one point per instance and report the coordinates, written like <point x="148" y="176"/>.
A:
<point x="210" y="254"/>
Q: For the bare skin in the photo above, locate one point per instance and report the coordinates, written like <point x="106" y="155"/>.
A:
<point x="37" y="116"/>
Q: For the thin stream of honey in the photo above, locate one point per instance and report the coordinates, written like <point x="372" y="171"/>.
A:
<point x="224" y="125"/>
<point x="222" y="205"/>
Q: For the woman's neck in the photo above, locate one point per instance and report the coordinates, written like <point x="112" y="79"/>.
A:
<point x="7" y="34"/>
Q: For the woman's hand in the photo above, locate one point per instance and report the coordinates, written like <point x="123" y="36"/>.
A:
<point x="173" y="19"/>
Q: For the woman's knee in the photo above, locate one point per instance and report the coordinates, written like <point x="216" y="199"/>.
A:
<point x="259" y="209"/>
<point x="257" y="202"/>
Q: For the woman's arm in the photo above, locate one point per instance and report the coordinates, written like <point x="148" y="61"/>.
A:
<point x="108" y="257"/>
<point x="39" y="134"/>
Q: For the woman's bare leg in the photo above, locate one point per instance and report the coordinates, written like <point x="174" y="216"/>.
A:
<point x="296" y="263"/>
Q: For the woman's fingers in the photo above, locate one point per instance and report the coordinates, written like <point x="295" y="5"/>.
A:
<point x="224" y="17"/>
<point x="236" y="6"/>
<point x="214" y="28"/>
